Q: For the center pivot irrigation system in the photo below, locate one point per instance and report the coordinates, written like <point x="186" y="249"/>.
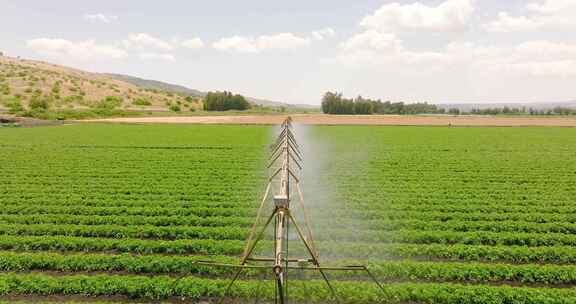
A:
<point x="286" y="165"/>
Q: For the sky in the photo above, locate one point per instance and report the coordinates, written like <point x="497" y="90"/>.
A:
<point x="437" y="51"/>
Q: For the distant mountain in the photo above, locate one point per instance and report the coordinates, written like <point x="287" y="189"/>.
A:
<point x="534" y="105"/>
<point x="174" y="88"/>
<point x="156" y="85"/>
<point x="269" y="103"/>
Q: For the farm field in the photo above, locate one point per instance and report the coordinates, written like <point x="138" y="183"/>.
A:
<point x="112" y="212"/>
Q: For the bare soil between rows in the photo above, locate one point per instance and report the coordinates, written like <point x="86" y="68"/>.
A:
<point x="384" y="120"/>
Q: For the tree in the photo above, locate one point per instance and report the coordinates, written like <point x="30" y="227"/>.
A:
<point x="334" y="103"/>
<point x="175" y="108"/>
<point x="363" y="106"/>
<point x="224" y="101"/>
<point x="454" y="111"/>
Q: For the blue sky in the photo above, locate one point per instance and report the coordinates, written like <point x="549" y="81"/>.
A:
<point x="293" y="51"/>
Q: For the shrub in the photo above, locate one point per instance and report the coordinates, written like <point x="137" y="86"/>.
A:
<point x="175" y="108"/>
<point x="109" y="103"/>
<point x="5" y="89"/>
<point x="13" y="104"/>
<point x="56" y="88"/>
<point x="141" y="102"/>
<point x="73" y="98"/>
<point x="39" y="102"/>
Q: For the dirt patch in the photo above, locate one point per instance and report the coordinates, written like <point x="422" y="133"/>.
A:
<point x="390" y="120"/>
<point x="11" y="121"/>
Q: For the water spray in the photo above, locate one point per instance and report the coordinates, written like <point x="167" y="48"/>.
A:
<point x="286" y="165"/>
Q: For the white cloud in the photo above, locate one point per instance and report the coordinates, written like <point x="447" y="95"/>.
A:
<point x="157" y="56"/>
<point x="322" y="34"/>
<point x="551" y="6"/>
<point x="373" y="47"/>
<point x="538" y="58"/>
<point x="558" y="68"/>
<point x="282" y="41"/>
<point x="100" y="18"/>
<point x="236" y="43"/>
<point x="451" y="15"/>
<point x="373" y="40"/>
<point x="87" y="49"/>
<point x="507" y="23"/>
<point x="265" y="42"/>
<point x="547" y="49"/>
<point x="142" y="41"/>
<point x="379" y="42"/>
<point x="534" y="58"/>
<point x="194" y="43"/>
<point x="542" y="15"/>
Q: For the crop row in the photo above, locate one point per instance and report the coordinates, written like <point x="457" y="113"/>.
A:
<point x="511" y="254"/>
<point x="250" y="212"/>
<point x="311" y="291"/>
<point x="500" y="188"/>
<point x="468" y="226"/>
<point x="212" y="195"/>
<point x="68" y="243"/>
<point x="217" y="221"/>
<point x="131" y="200"/>
<point x="472" y="216"/>
<point x="384" y="270"/>
<point x="240" y="233"/>
<point x="474" y="238"/>
<point x="148" y="211"/>
<point x="224" y="199"/>
<point x="496" y="208"/>
<point x="376" y="222"/>
<point x="139" y="191"/>
<point x="114" y="231"/>
<point x="211" y="221"/>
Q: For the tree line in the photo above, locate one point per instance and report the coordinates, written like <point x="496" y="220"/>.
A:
<point x="334" y="103"/>
<point x="524" y="111"/>
<point x="224" y="101"/>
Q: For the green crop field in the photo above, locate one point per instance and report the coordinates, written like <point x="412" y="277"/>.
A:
<point x="441" y="215"/>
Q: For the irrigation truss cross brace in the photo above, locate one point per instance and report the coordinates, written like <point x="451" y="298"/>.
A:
<point x="286" y="154"/>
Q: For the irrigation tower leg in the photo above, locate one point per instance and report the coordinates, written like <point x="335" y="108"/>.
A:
<point x="332" y="291"/>
<point x="250" y="247"/>
<point x="314" y="257"/>
<point x="253" y="230"/>
<point x="227" y="290"/>
<point x="306" y="218"/>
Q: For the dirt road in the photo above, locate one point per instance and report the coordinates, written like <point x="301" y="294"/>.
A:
<point x="392" y="120"/>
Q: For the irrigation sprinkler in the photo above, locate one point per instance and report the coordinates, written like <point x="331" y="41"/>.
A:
<point x="285" y="163"/>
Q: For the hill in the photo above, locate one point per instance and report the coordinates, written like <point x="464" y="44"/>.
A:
<point x="66" y="88"/>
